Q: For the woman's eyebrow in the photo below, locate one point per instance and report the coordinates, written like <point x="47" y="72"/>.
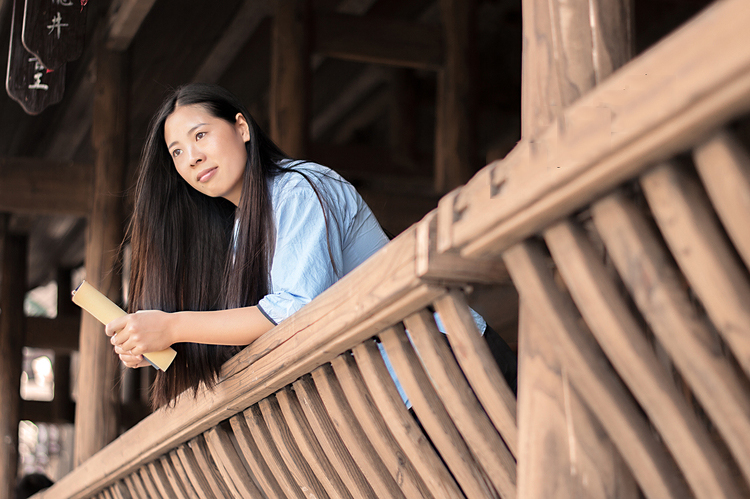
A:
<point x="188" y="133"/>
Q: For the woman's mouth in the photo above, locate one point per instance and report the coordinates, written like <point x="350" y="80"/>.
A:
<point x="206" y="174"/>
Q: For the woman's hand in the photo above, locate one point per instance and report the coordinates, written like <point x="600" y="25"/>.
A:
<point x="135" y="334"/>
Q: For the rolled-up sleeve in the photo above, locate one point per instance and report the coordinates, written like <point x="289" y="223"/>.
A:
<point x="301" y="266"/>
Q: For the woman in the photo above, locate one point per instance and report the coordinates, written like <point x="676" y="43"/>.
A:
<point x="229" y="237"/>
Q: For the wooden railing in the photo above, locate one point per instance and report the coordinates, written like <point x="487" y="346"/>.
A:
<point x="631" y="265"/>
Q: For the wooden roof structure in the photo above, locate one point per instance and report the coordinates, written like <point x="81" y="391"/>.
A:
<point x="612" y="237"/>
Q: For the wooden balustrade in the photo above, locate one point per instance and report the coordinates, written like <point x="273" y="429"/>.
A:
<point x="632" y="263"/>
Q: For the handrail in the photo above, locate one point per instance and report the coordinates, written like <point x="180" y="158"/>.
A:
<point x="609" y="136"/>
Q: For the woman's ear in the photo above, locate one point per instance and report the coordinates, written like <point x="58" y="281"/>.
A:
<point x="242" y="126"/>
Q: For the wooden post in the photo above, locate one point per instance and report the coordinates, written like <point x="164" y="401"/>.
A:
<point x="62" y="404"/>
<point x="291" y="77"/>
<point x="454" y="129"/>
<point x="13" y="274"/>
<point x="97" y="407"/>
<point x="562" y="61"/>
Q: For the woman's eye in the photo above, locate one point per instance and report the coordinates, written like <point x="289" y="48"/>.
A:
<point x="176" y="153"/>
<point x="199" y="135"/>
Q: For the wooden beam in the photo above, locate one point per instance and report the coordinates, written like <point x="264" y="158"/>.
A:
<point x="391" y="42"/>
<point x="290" y="77"/>
<point x="124" y="20"/>
<point x="12" y="292"/>
<point x="39" y="411"/>
<point x="455" y="134"/>
<point x="45" y="186"/>
<point x="59" y="334"/>
<point x="97" y="409"/>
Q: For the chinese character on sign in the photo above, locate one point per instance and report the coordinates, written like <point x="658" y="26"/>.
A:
<point x="57" y="24"/>
<point x="64" y="3"/>
<point x="39" y="71"/>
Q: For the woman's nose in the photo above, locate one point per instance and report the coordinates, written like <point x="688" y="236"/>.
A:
<point x="196" y="156"/>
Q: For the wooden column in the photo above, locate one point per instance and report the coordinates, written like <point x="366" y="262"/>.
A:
<point x="97" y="407"/>
<point x="12" y="290"/>
<point x="62" y="405"/>
<point x="567" y="49"/>
<point x="291" y="77"/>
<point x="455" y="139"/>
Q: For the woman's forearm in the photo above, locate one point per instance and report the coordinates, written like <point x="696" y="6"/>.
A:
<point x="237" y="326"/>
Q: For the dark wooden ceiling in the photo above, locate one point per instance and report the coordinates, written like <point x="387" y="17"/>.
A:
<point x="359" y="110"/>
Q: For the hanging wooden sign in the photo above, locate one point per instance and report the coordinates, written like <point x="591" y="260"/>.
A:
<point x="28" y="81"/>
<point x="54" y="30"/>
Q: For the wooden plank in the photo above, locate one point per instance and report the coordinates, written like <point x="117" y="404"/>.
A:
<point x="626" y="346"/>
<point x="352" y="434"/>
<point x="433" y="416"/>
<point x="688" y="224"/>
<point x="371" y="421"/>
<point x="390" y="42"/>
<point x="54" y="32"/>
<point x="657" y="288"/>
<point x="329" y="439"/>
<point x="136" y="487"/>
<point x="288" y="449"/>
<point x="162" y="483"/>
<point x="210" y="471"/>
<point x="724" y="167"/>
<point x="45" y="186"/>
<point x="124" y="20"/>
<point x="12" y="291"/>
<point x="479" y="366"/>
<point x="171" y="477"/>
<point x="595" y="381"/>
<point x="309" y="446"/>
<point x="231" y="467"/>
<point x="270" y="452"/>
<point x="290" y="77"/>
<point x="401" y="424"/>
<point x="96" y="408"/>
<point x="172" y="462"/>
<point x="196" y="473"/>
<point x="148" y="482"/>
<point x="462" y="405"/>
<point x="256" y="461"/>
<point x="120" y="491"/>
<point x="610" y="135"/>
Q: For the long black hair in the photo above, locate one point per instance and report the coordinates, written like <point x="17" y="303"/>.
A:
<point x="180" y="238"/>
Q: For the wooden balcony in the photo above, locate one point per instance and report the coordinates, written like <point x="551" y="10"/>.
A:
<point x="623" y="225"/>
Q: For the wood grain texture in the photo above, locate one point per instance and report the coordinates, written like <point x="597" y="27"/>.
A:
<point x="402" y="425"/>
<point x="724" y="167"/>
<point x="177" y="480"/>
<point x="433" y="415"/>
<point x="479" y="366"/>
<point x="461" y="403"/>
<point x="309" y="446"/>
<point x="230" y="464"/>
<point x="624" y="342"/>
<point x="256" y="461"/>
<point x="699" y="246"/>
<point x="658" y="290"/>
<point x="595" y="380"/>
<point x="161" y="481"/>
<point x="356" y="394"/>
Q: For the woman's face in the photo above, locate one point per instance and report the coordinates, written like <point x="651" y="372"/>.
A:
<point x="208" y="152"/>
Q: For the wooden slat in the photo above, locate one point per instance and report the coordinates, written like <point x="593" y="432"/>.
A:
<point x="433" y="415"/>
<point x="624" y="342"/>
<point x="609" y="135"/>
<point x="285" y="443"/>
<point x="120" y="491"/>
<point x="135" y="485"/>
<point x="159" y="477"/>
<point x="309" y="446"/>
<point x="264" y="476"/>
<point x="699" y="246"/>
<point x="45" y="186"/>
<point x="230" y="465"/>
<point x="479" y="366"/>
<point x="268" y="449"/>
<point x="405" y="430"/>
<point x="173" y="478"/>
<point x="378" y="41"/>
<point x="724" y="167"/>
<point x="371" y="421"/>
<point x="657" y="288"/>
<point x="194" y="472"/>
<point x="330" y="440"/>
<point x="461" y="403"/>
<point x="594" y="379"/>
<point x="182" y="474"/>
<point x="354" y="438"/>
<point x="148" y="482"/>
<point x="209" y="468"/>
